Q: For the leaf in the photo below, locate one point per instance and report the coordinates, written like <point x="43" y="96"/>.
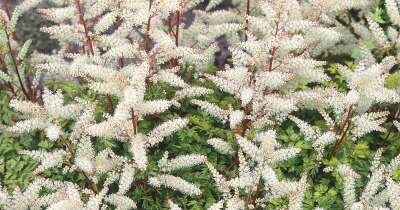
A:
<point x="361" y="150"/>
<point x="396" y="175"/>
<point x="24" y="50"/>
<point x="356" y="53"/>
<point x="376" y="15"/>
<point x="393" y="80"/>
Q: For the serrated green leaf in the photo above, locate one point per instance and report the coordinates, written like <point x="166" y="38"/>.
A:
<point x="393" y="80"/>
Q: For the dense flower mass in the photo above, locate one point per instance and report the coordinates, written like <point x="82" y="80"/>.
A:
<point x="203" y="104"/>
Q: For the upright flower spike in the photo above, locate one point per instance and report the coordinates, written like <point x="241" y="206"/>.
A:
<point x="121" y="202"/>
<point x="160" y="132"/>
<point x="19" y="11"/>
<point x="45" y="117"/>
<point x="369" y="90"/>
<point x="126" y="179"/>
<point x="211" y="109"/>
<point x="84" y="156"/>
<point x="181" y="162"/>
<point x="379" y="191"/>
<point x="175" y="183"/>
<point x="309" y="132"/>
<point x="393" y="11"/>
<point x="138" y="151"/>
<point x="377" y="32"/>
<point x="220" y="145"/>
<point x="349" y="192"/>
<point x="47" y="159"/>
<point x="368" y="122"/>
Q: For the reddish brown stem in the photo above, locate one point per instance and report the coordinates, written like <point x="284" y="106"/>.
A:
<point x="178" y="22"/>
<point x="247" y="14"/>
<point x="134" y="120"/>
<point x="174" y="33"/>
<point x="82" y="21"/>
<point x="396" y="116"/>
<point x="233" y="163"/>
<point x="246" y="125"/>
<point x="271" y="59"/>
<point x="343" y="129"/>
<point x="148" y="27"/>
<point x="141" y="182"/>
<point x="15" y="64"/>
<point x="31" y="89"/>
<point x="273" y="51"/>
<point x="2" y="62"/>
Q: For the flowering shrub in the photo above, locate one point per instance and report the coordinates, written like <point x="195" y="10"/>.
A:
<point x="131" y="110"/>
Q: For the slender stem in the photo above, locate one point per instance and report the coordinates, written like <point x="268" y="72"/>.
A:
<point x="134" y="121"/>
<point x="15" y="64"/>
<point x="31" y="88"/>
<point x="178" y="22"/>
<point x="397" y="115"/>
<point x="148" y="27"/>
<point x="246" y="125"/>
<point x="92" y="185"/>
<point x="140" y="182"/>
<point x="271" y="59"/>
<point x="348" y="25"/>
<point x="2" y="62"/>
<point x="343" y="129"/>
<point x="247" y="25"/>
<point x="234" y="162"/>
<point x="247" y="14"/>
<point x="174" y="33"/>
<point x="83" y="23"/>
<point x="273" y="50"/>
